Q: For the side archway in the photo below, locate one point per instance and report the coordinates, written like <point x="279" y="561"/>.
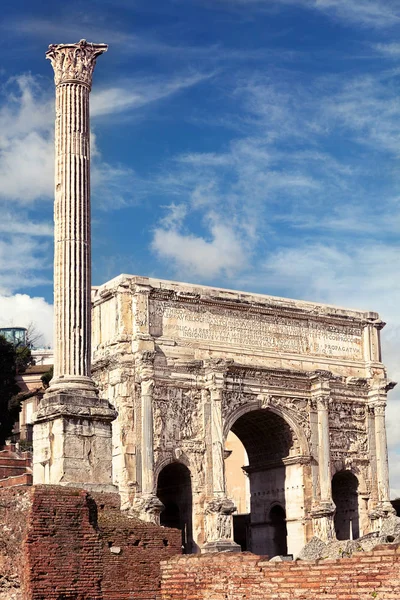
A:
<point x="174" y="489"/>
<point x="345" y="496"/>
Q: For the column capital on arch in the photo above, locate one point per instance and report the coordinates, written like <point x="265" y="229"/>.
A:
<point x="145" y="365"/>
<point x="216" y="370"/>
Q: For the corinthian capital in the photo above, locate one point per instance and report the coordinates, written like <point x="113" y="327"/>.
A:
<point x="74" y="63"/>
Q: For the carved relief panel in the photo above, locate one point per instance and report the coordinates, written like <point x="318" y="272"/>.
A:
<point x="348" y="428"/>
<point x="177" y="414"/>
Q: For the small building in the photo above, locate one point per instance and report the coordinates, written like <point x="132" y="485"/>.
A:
<point x="15" y="335"/>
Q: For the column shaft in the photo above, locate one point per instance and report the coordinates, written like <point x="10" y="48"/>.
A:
<point x="324" y="451"/>
<point x="218" y="476"/>
<point x="72" y="260"/>
<point x="147" y="437"/>
<point x="382" y="465"/>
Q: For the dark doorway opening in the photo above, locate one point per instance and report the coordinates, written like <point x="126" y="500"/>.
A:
<point x="174" y="489"/>
<point x="345" y="497"/>
<point x="277" y="517"/>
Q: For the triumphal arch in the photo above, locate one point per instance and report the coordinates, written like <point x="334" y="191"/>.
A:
<point x="300" y="384"/>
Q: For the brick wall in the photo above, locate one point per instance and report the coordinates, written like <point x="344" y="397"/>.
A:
<point x="59" y="543"/>
<point x="14" y="463"/>
<point x="365" y="576"/>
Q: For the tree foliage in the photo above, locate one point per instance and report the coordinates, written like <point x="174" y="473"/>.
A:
<point x="47" y="377"/>
<point x="13" y="360"/>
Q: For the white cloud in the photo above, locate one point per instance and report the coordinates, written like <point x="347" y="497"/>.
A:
<point x="392" y="49"/>
<point x="368" y="13"/>
<point x="26" y="142"/>
<point x="14" y="224"/>
<point x="138" y="93"/>
<point x="194" y="256"/>
<point x="24" y="261"/>
<point x="20" y="310"/>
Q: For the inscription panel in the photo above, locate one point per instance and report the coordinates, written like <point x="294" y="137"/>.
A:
<point x="222" y="326"/>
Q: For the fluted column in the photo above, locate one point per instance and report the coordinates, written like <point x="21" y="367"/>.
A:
<point x="73" y="66"/>
<point x="147" y="506"/>
<point x="219" y="508"/>
<point x="323" y="508"/>
<point x="72" y="428"/>
<point x="377" y="405"/>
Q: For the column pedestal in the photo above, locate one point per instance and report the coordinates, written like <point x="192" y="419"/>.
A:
<point x="72" y="442"/>
<point x="219" y="533"/>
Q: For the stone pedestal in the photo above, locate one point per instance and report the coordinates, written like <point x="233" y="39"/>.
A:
<point x="323" y="523"/>
<point x="72" y="442"/>
<point x="219" y="531"/>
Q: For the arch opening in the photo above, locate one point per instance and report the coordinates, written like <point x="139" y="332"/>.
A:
<point x="275" y="479"/>
<point x="174" y="489"/>
<point x="345" y="496"/>
<point x="277" y="518"/>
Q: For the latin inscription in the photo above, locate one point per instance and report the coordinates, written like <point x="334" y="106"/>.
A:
<point x="252" y="329"/>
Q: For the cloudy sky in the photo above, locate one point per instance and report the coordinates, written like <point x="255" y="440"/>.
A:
<point x="250" y="144"/>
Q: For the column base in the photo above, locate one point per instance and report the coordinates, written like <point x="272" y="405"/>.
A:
<point x="382" y="511"/>
<point x="148" y="508"/>
<point x="323" y="524"/>
<point x="72" y="443"/>
<point x="220" y="546"/>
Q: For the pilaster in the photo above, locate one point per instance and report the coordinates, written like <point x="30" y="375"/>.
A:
<point x="219" y="508"/>
<point x="377" y="407"/>
<point x="323" y="508"/>
<point x="147" y="505"/>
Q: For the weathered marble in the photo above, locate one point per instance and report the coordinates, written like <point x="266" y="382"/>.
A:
<point x="295" y="381"/>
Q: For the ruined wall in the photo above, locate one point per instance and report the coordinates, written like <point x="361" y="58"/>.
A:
<point x="58" y="543"/>
<point x="15" y="504"/>
<point x="236" y="577"/>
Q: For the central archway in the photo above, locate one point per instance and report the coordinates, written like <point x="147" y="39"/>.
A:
<point x="276" y="478"/>
<point x="174" y="489"/>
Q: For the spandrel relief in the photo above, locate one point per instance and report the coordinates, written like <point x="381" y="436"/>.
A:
<point x="347" y="426"/>
<point x="176" y="415"/>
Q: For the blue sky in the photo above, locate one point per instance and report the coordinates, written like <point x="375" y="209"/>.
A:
<point x="250" y="144"/>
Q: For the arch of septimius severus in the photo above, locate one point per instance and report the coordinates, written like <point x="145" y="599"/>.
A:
<point x="178" y="368"/>
<point x="300" y="384"/>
